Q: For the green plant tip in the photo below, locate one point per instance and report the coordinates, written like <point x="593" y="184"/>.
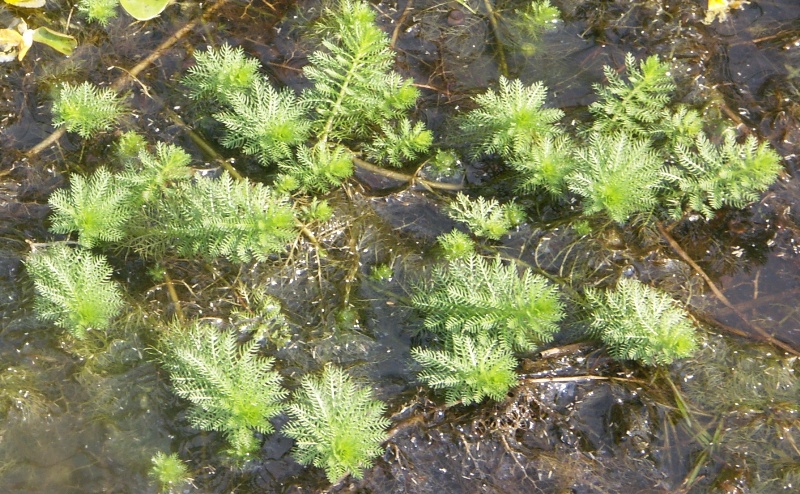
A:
<point x="86" y="109"/>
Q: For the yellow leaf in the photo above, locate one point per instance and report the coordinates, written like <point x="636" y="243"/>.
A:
<point x="31" y="4"/>
<point x="10" y="45"/>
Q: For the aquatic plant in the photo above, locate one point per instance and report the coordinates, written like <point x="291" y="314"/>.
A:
<point x="150" y="175"/>
<point x="545" y="165"/>
<point x="101" y="11"/>
<point x="219" y="73"/>
<point x="729" y="174"/>
<point x="618" y="175"/>
<point x="97" y="208"/>
<point x="318" y="168"/>
<point x="264" y="122"/>
<point x="456" y="245"/>
<point x="354" y="88"/>
<point x="231" y="387"/>
<point x="485" y="217"/>
<point x="86" y="109"/>
<point x="473" y="294"/>
<point x="526" y="26"/>
<point x="637" y="105"/>
<point x="638" y="322"/>
<point x="511" y="120"/>
<point x="396" y="147"/>
<point x="470" y="368"/>
<point x="169" y="472"/>
<point x="216" y="217"/>
<point x="354" y="95"/>
<point x="335" y="424"/>
<point x="73" y="289"/>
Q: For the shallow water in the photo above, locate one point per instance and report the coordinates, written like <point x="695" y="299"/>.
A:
<point x="91" y="424"/>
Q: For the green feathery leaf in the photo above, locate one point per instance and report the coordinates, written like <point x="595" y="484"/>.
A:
<point x="638" y="322"/>
<point x="264" y="122"/>
<point x="456" y="245"/>
<point x="219" y="73"/>
<point x="617" y="174"/>
<point x="636" y="106"/>
<point x="231" y="387"/>
<point x="396" y="147"/>
<point x="486" y="217"/>
<point x="354" y="88"/>
<point x="86" y="109"/>
<point x="473" y="368"/>
<point x="73" y="289"/>
<point x="510" y="121"/>
<point x="730" y="174"/>
<point x="101" y="11"/>
<point x="220" y="217"/>
<point x="546" y="165"/>
<point x="474" y="294"/>
<point x="97" y="208"/>
<point x="319" y="168"/>
<point x="336" y="425"/>
<point x="151" y="174"/>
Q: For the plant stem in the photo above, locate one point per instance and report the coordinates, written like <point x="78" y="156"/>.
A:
<point x="411" y="179"/>
<point x="501" y="54"/>
<point x="721" y="296"/>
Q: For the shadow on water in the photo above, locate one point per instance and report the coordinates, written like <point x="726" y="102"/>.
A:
<point x="88" y="417"/>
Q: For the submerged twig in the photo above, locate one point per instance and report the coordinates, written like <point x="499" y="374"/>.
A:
<point x="126" y="76"/>
<point x="721" y="296"/>
<point x="402" y="177"/>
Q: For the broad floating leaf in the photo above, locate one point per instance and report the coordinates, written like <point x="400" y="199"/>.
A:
<point x="143" y="10"/>
<point x="62" y="43"/>
<point x="30" y="4"/>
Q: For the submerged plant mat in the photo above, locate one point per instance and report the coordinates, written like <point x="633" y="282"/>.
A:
<point x="102" y="418"/>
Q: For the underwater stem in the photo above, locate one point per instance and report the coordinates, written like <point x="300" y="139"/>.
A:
<point x="721" y="296"/>
<point x="501" y="54"/>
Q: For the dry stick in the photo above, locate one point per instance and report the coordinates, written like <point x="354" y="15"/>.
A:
<point x="721" y="296"/>
<point x="126" y="77"/>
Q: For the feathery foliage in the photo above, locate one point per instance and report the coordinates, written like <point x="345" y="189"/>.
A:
<point x="336" y="424"/>
<point x="456" y="245"/>
<point x="154" y="173"/>
<point x="220" y="217"/>
<point x="169" y="471"/>
<point x="404" y="144"/>
<point x="318" y="168"/>
<point x="617" y="174"/>
<point x="231" y="387"/>
<point x="523" y="29"/>
<point x="472" y="368"/>
<point x="219" y="73"/>
<point x="510" y="121"/>
<point x="638" y="105"/>
<point x="73" y="289"/>
<point x="486" y="217"/>
<point x="546" y="165"/>
<point x="354" y="88"/>
<point x="474" y="294"/>
<point x="97" y="208"/>
<point x="638" y="322"/>
<point x="730" y="174"/>
<point x="101" y="11"/>
<point x="86" y="109"/>
<point x="264" y="122"/>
